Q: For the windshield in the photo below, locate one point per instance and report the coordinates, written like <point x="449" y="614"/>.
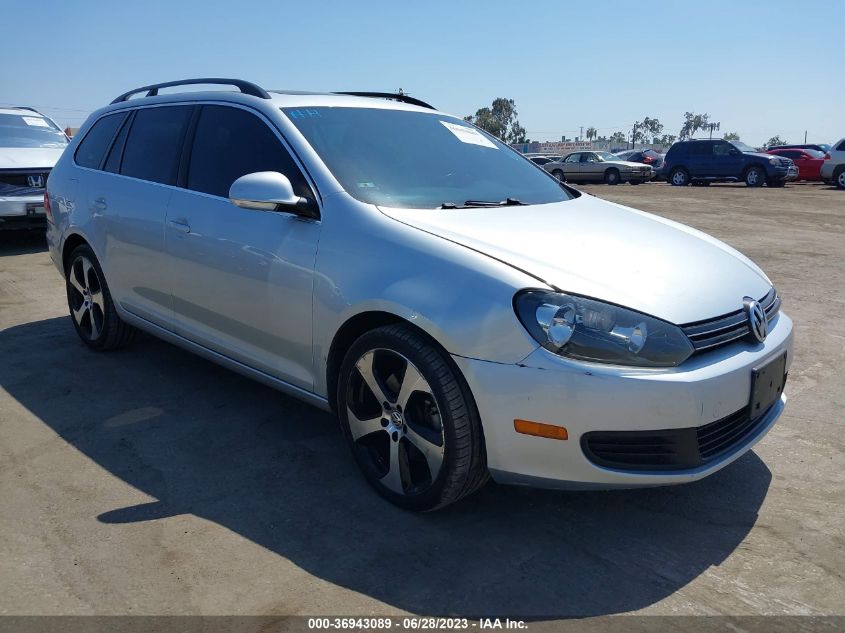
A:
<point x="29" y="130"/>
<point x="402" y="158"/>
<point x="742" y="147"/>
<point x="605" y="156"/>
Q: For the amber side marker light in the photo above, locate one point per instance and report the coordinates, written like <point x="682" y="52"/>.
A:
<point x="540" y="430"/>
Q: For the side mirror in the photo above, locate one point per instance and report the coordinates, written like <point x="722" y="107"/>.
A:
<point x="733" y="152"/>
<point x="270" y="191"/>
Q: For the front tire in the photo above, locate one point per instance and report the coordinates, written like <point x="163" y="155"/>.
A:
<point x="611" y="177"/>
<point x="91" y="307"/>
<point x="755" y="176"/>
<point x="679" y="177"/>
<point x="839" y="177"/>
<point x="410" y="420"/>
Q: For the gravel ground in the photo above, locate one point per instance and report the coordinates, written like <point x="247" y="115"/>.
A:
<point x="149" y="481"/>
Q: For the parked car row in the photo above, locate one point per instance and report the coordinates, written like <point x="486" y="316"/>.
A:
<point x="703" y="161"/>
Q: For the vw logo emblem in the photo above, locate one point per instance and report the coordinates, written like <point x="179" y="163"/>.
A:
<point x="397" y="418"/>
<point x="757" y="322"/>
<point x="36" y="180"/>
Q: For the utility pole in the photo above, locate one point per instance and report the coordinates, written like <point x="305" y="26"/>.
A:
<point x="805" y="137"/>
<point x="582" y="134"/>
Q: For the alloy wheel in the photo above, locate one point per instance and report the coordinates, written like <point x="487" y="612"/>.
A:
<point x="679" y="178"/>
<point x="840" y="180"/>
<point x="395" y="422"/>
<point x="86" y="298"/>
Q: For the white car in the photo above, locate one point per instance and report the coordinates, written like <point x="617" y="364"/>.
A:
<point x="30" y="144"/>
<point x="833" y="168"/>
<point x="463" y="312"/>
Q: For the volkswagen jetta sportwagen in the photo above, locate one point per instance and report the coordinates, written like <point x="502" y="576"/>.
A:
<point x="464" y="312"/>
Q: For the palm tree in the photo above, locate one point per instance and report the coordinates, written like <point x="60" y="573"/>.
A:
<point x="591" y="133"/>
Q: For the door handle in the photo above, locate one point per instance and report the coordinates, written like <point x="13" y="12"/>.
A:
<point x="100" y="205"/>
<point x="180" y="225"/>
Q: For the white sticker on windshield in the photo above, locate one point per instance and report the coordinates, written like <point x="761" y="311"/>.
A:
<point x="36" y="121"/>
<point x="466" y="134"/>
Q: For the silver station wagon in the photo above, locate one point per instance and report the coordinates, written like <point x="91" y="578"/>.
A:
<point x="463" y="312"/>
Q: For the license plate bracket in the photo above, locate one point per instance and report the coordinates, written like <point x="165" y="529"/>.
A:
<point x="767" y="384"/>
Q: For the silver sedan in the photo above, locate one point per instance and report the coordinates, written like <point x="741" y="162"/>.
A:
<point x="598" y="167"/>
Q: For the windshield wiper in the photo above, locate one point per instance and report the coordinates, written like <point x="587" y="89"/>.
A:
<point x="507" y="202"/>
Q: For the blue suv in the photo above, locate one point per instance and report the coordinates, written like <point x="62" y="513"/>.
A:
<point x="706" y="161"/>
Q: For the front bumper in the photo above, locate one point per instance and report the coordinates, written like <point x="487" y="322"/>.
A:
<point x="22" y="212"/>
<point x="637" y="176"/>
<point x="586" y="397"/>
<point x="792" y="174"/>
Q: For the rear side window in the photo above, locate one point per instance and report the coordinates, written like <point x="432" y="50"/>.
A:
<point x="116" y="153"/>
<point x="154" y="145"/>
<point x="841" y="147"/>
<point x="701" y="149"/>
<point x="678" y="150"/>
<point x="229" y="143"/>
<point x="93" y="147"/>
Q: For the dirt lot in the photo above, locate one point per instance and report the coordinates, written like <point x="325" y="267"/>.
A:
<point x="149" y="481"/>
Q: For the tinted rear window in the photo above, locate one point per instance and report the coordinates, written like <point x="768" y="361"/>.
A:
<point x="841" y="147"/>
<point x="154" y="145"/>
<point x="230" y="143"/>
<point x="94" y="146"/>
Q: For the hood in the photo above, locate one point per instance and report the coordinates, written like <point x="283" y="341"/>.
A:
<point x="599" y="249"/>
<point x="627" y="163"/>
<point x="29" y="157"/>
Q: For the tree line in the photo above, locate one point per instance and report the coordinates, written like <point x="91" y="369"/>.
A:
<point x="501" y="120"/>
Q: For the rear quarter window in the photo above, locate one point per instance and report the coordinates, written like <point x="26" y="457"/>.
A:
<point x="96" y="143"/>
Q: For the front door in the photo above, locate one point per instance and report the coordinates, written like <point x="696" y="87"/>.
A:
<point x="242" y="279"/>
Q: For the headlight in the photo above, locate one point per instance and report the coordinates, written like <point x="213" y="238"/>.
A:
<point x="591" y="330"/>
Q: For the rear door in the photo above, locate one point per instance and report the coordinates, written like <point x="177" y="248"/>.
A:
<point x="242" y="279"/>
<point x="572" y="166"/>
<point x="700" y="159"/>
<point x="128" y="200"/>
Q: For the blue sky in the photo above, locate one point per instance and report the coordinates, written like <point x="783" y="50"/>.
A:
<point x="759" y="67"/>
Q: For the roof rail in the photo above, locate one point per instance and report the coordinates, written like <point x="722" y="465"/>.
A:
<point x="390" y="95"/>
<point x="245" y="87"/>
<point x="31" y="109"/>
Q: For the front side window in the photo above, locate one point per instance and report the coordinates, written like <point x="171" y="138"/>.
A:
<point x="413" y="159"/>
<point x="94" y="146"/>
<point x="29" y="129"/>
<point x="722" y="149"/>
<point x="154" y="145"/>
<point x="229" y="143"/>
<point x="701" y="149"/>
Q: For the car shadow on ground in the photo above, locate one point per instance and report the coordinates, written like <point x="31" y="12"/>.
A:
<point x="20" y="242"/>
<point x="205" y="441"/>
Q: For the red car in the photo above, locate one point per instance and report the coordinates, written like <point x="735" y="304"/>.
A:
<point x="808" y="161"/>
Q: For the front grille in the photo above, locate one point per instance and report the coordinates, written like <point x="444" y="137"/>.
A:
<point x="712" y="333"/>
<point x="669" y="449"/>
<point x="15" y="182"/>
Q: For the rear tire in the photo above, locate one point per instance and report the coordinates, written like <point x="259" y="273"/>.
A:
<point x="91" y="307"/>
<point x="634" y="182"/>
<point x="679" y="177"/>
<point x="557" y="173"/>
<point x="611" y="177"/>
<point x="755" y="176"/>
<point x="410" y="420"/>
